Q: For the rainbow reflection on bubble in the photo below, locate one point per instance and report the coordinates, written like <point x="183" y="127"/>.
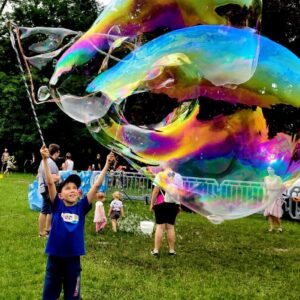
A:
<point x="195" y="97"/>
<point x="227" y="147"/>
<point x="133" y="18"/>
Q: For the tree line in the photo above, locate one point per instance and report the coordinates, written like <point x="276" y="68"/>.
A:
<point x="18" y="132"/>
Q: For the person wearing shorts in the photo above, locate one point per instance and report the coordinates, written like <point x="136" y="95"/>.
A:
<point x="45" y="213"/>
<point x="166" y="207"/>
<point x="116" y="210"/>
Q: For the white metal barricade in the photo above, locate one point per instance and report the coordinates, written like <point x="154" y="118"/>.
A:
<point x="136" y="186"/>
<point x="243" y="190"/>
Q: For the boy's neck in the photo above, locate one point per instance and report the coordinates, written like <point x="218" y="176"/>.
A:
<point x="67" y="203"/>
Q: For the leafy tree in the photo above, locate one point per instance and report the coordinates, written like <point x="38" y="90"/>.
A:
<point x="280" y="22"/>
<point x="18" y="130"/>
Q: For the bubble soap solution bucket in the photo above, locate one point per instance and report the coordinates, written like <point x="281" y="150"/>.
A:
<point x="147" y="227"/>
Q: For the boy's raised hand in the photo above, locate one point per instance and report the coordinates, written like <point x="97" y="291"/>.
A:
<point x="44" y="152"/>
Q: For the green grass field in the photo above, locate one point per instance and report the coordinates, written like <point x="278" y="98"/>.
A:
<point x="235" y="260"/>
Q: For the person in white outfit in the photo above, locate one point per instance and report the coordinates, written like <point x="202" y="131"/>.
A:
<point x="273" y="188"/>
<point x="68" y="165"/>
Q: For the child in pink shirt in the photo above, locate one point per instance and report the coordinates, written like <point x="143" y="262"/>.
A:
<point x="99" y="216"/>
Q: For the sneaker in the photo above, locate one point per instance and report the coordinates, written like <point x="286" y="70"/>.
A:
<point x="173" y="253"/>
<point x="154" y="253"/>
<point x="270" y="230"/>
<point x="279" y="230"/>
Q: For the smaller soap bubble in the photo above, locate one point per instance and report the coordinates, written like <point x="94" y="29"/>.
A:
<point x="43" y="93"/>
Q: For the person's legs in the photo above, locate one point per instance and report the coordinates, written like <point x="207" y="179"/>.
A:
<point x="102" y="224"/>
<point x="171" y="237"/>
<point x="48" y="223"/>
<point x="278" y="222"/>
<point x="71" y="282"/>
<point x="114" y="225"/>
<point x="98" y="226"/>
<point x="53" y="279"/>
<point x="42" y="223"/>
<point x="4" y="167"/>
<point x="159" y="233"/>
<point x="270" y="219"/>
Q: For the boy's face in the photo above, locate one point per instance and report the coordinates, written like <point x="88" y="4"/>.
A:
<point x="69" y="193"/>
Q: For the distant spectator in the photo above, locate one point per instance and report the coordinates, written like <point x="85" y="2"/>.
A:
<point x="116" y="210"/>
<point x="30" y="165"/>
<point x="68" y="165"/>
<point x="121" y="168"/>
<point x="96" y="166"/>
<point x="99" y="215"/>
<point x="118" y="166"/>
<point x="10" y="165"/>
<point x="45" y="214"/>
<point x="273" y="188"/>
<point x="4" y="160"/>
<point x="33" y="163"/>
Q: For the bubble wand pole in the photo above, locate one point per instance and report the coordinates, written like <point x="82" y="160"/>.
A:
<point x="13" y="42"/>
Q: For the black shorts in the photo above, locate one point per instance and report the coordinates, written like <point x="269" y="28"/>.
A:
<point x="115" y="214"/>
<point x="46" y="207"/>
<point x="166" y="213"/>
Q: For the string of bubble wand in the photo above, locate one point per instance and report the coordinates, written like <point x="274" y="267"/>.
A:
<point x="10" y="26"/>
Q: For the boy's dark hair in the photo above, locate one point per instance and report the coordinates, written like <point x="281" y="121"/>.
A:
<point x="53" y="148"/>
<point x="68" y="155"/>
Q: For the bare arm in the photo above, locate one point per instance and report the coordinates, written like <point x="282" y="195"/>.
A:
<point x="93" y="190"/>
<point x="122" y="212"/>
<point x="64" y="166"/>
<point x="109" y="211"/>
<point x="154" y="196"/>
<point x="49" y="178"/>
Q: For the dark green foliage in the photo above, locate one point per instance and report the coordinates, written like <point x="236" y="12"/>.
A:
<point x="18" y="131"/>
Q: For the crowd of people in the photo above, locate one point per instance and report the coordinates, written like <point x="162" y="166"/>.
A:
<point x="62" y="216"/>
<point x="66" y="163"/>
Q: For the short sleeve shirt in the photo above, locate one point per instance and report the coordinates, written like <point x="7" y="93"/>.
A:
<point x="66" y="237"/>
<point x="171" y="183"/>
<point x="42" y="178"/>
<point x="116" y="205"/>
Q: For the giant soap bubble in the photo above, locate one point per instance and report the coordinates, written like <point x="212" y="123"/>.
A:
<point x="158" y="88"/>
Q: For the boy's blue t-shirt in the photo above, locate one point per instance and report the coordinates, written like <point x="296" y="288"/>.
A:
<point x="67" y="234"/>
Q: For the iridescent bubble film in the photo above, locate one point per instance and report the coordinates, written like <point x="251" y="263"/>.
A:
<point x="190" y="85"/>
